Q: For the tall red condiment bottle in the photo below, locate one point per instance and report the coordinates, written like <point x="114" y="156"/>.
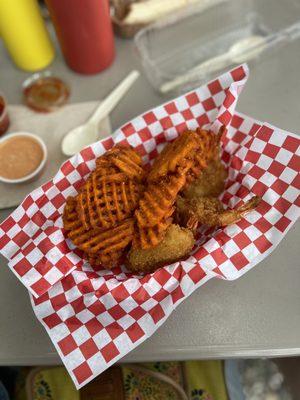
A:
<point x="85" y="34"/>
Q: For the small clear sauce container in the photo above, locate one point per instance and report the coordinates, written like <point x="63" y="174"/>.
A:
<point x="4" y="118"/>
<point x="44" y="92"/>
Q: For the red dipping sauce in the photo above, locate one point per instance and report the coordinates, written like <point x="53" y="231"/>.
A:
<point x="4" y="119"/>
<point x="45" y="93"/>
<point x="85" y="34"/>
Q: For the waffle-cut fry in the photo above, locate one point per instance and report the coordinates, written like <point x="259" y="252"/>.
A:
<point x="70" y="217"/>
<point x="209" y="148"/>
<point x="107" y="199"/>
<point x="157" y="200"/>
<point x="106" y="242"/>
<point x="129" y="162"/>
<point x="124" y="159"/>
<point x="106" y="246"/>
<point x="104" y="260"/>
<point x="111" y="192"/>
<point x="174" y="155"/>
<point x="122" y="148"/>
<point x="148" y="237"/>
<point x="104" y="165"/>
<point x="105" y="168"/>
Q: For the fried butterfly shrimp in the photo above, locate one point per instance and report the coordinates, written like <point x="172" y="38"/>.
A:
<point x="211" y="181"/>
<point x="210" y="211"/>
<point x="176" y="245"/>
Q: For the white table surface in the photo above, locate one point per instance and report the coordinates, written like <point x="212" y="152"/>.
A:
<point x="257" y="315"/>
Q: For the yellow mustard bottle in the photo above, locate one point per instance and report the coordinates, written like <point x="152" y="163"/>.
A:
<point x="24" y="33"/>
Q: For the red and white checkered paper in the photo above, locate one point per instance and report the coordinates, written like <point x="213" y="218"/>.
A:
<point x="96" y="317"/>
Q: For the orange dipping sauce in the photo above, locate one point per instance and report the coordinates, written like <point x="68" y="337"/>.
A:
<point x="19" y="156"/>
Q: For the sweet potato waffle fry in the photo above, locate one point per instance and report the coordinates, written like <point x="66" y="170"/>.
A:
<point x="208" y="150"/>
<point x="98" y="220"/>
<point x="106" y="200"/>
<point x="111" y="193"/>
<point x="128" y="161"/>
<point x="176" y="155"/>
<point x="158" y="200"/>
<point x="121" y="158"/>
<point x="103" y="246"/>
<point x="147" y="237"/>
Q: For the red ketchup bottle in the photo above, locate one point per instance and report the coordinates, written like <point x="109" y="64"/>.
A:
<point x="85" y="34"/>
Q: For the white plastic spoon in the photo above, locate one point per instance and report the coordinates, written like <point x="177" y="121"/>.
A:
<point x="85" y="134"/>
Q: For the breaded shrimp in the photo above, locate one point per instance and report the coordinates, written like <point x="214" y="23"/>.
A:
<point x="210" y="211"/>
<point x="176" y="245"/>
<point x="211" y="181"/>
